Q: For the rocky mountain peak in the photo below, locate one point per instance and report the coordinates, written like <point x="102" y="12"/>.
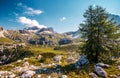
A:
<point x="32" y="28"/>
<point x="38" y="30"/>
<point x="1" y="28"/>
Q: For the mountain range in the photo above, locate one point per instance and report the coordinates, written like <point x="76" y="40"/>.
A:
<point x="35" y="34"/>
<point x="115" y="17"/>
<point x="76" y="34"/>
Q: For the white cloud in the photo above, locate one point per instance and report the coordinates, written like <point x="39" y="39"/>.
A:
<point x="30" y="10"/>
<point x="63" y="19"/>
<point x="29" y="22"/>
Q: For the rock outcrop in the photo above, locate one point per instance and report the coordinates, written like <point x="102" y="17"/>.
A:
<point x="64" y="41"/>
<point x="1" y="28"/>
<point x="102" y="65"/>
<point x="2" y="31"/>
<point x="28" y="74"/>
<point x="81" y="61"/>
<point x="100" y="71"/>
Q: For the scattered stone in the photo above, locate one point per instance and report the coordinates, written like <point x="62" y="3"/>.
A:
<point x="102" y="65"/>
<point x="39" y="76"/>
<point x="70" y="59"/>
<point x="6" y="74"/>
<point x="28" y="74"/>
<point x="64" y="76"/>
<point x="112" y="58"/>
<point x="100" y="71"/>
<point x="1" y="62"/>
<point x="19" y="61"/>
<point x="57" y="66"/>
<point x="4" y="57"/>
<point x="49" y="65"/>
<point x="12" y="76"/>
<point x="17" y="69"/>
<point x="118" y="67"/>
<point x="44" y="69"/>
<point x="49" y="77"/>
<point x="25" y="64"/>
<point x="93" y="75"/>
<point x="41" y="64"/>
<point x="32" y="67"/>
<point x="39" y="57"/>
<point x="118" y="62"/>
<point x="57" y="58"/>
<point x="25" y="59"/>
<point x="2" y="72"/>
<point x="114" y="76"/>
<point x="81" y="61"/>
<point x="76" y="55"/>
<point x="54" y="75"/>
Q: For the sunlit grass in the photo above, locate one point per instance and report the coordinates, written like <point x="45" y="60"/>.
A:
<point x="6" y="40"/>
<point x="39" y="50"/>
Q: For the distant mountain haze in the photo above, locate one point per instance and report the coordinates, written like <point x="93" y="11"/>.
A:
<point x="76" y="34"/>
<point x="116" y="18"/>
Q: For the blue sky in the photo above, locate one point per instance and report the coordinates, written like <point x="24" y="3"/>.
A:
<point x="62" y="15"/>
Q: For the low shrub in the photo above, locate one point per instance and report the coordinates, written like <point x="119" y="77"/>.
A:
<point x="13" y="54"/>
<point x="42" y="60"/>
<point x="48" y="55"/>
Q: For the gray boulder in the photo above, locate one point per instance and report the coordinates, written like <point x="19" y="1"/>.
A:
<point x="102" y="65"/>
<point x="57" y="58"/>
<point x="4" y="57"/>
<point x="70" y="59"/>
<point x="28" y="74"/>
<point x="25" y="64"/>
<point x="64" y="41"/>
<point x="64" y="76"/>
<point x="19" y="61"/>
<point x="93" y="75"/>
<point x="39" y="57"/>
<point x="118" y="67"/>
<point x="114" y="76"/>
<point x="81" y="61"/>
<point x="100" y="71"/>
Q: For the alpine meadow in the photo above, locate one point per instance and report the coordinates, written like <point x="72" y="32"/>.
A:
<point x="59" y="39"/>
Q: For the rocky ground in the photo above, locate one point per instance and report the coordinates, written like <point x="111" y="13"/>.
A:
<point x="61" y="66"/>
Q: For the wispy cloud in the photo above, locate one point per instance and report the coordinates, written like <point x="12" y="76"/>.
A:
<point x="63" y="19"/>
<point x="30" y="10"/>
<point x="29" y="22"/>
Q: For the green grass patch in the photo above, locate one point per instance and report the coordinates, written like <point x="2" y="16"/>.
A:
<point x="69" y="47"/>
<point x="6" y="40"/>
<point x="40" y="50"/>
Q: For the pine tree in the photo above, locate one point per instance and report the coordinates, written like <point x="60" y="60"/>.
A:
<point x="99" y="32"/>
